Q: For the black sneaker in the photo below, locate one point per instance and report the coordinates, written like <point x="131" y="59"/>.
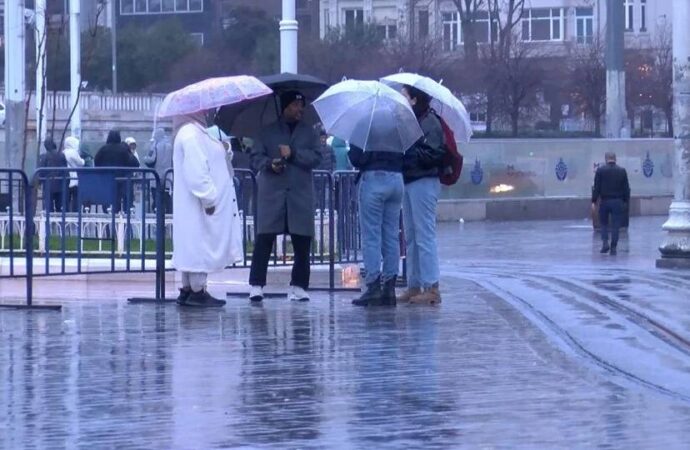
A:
<point x="185" y="292"/>
<point x="203" y="299"/>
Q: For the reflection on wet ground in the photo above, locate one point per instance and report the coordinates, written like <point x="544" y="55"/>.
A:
<point x="533" y="347"/>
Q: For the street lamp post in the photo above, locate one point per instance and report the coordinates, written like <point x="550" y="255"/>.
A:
<point x="15" y="83"/>
<point x="675" y="249"/>
<point x="288" y="38"/>
<point x="75" y="65"/>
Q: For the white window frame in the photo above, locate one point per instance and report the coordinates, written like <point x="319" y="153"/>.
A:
<point x="629" y="6"/>
<point x="357" y="11"/>
<point x="148" y="12"/>
<point x="583" y="20"/>
<point x="643" y="16"/>
<point x="527" y="16"/>
<point x="453" y="23"/>
<point x="200" y="37"/>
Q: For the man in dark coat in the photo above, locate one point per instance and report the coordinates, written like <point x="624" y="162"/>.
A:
<point x="55" y="180"/>
<point x="612" y="188"/>
<point x="284" y="156"/>
<point x="116" y="153"/>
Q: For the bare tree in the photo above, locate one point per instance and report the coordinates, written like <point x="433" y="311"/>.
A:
<point x="662" y="74"/>
<point x="506" y="15"/>
<point x="588" y="79"/>
<point x="518" y="79"/>
<point x="468" y="11"/>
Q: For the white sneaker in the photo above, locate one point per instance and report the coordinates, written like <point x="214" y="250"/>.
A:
<point x="256" y="293"/>
<point x="298" y="294"/>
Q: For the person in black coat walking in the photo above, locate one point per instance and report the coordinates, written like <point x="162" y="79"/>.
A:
<point x="116" y="153"/>
<point x="611" y="186"/>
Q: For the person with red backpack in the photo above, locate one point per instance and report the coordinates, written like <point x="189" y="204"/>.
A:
<point x="423" y="165"/>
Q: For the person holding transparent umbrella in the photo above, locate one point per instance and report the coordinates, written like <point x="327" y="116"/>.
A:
<point x="423" y="166"/>
<point x="380" y="125"/>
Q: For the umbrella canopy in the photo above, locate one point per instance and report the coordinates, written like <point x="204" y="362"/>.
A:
<point x="248" y="119"/>
<point x="447" y="105"/>
<point x="370" y="115"/>
<point x="211" y="94"/>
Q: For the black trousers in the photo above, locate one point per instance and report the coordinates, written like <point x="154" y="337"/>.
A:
<point x="615" y="209"/>
<point x="263" y="247"/>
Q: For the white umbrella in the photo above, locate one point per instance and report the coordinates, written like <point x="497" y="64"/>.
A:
<point x="447" y="105"/>
<point x="369" y="115"/>
<point x="212" y="93"/>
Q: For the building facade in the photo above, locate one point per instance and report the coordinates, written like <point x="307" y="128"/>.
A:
<point x="548" y="23"/>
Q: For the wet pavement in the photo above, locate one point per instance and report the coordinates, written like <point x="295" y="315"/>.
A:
<point x="540" y="343"/>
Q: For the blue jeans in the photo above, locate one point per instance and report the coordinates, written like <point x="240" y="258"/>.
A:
<point x="419" y="217"/>
<point x="380" y="200"/>
<point x="614" y="208"/>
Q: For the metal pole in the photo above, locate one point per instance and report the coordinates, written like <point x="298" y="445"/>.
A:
<point x="15" y="83"/>
<point x="675" y="249"/>
<point x="288" y="38"/>
<point x="113" y="44"/>
<point x="75" y="64"/>
<point x="41" y="56"/>
<point x="615" y="70"/>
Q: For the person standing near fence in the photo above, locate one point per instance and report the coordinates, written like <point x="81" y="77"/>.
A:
<point x="284" y="155"/>
<point x="160" y="158"/>
<point x="116" y="153"/>
<point x="207" y="232"/>
<point x="53" y="186"/>
<point x="421" y="170"/>
<point x="74" y="160"/>
<point x="612" y="188"/>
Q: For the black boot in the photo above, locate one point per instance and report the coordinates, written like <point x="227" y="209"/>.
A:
<point x="605" y="247"/>
<point x="373" y="296"/>
<point x="185" y="292"/>
<point x="388" y="294"/>
<point x="614" y="248"/>
<point x="203" y="299"/>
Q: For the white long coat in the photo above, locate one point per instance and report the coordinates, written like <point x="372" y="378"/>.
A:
<point x="203" y="243"/>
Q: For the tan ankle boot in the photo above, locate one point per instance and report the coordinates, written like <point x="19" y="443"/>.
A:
<point x="407" y="295"/>
<point x="430" y="296"/>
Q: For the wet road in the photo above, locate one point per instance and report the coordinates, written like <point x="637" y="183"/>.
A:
<point x="540" y="343"/>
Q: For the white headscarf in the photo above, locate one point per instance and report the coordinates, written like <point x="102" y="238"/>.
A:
<point x="198" y="118"/>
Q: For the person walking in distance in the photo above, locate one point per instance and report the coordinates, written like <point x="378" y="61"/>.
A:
<point x="284" y="156"/>
<point x="612" y="190"/>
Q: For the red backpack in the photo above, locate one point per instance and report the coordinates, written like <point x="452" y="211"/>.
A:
<point x="452" y="161"/>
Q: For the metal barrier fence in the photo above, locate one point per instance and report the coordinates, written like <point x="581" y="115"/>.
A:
<point x="115" y="220"/>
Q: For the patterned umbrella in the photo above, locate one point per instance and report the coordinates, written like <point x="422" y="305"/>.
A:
<point x="211" y="94"/>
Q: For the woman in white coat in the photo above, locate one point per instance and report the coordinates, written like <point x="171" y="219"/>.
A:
<point x="207" y="231"/>
<point x="74" y="160"/>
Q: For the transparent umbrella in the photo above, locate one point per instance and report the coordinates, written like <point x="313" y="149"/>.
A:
<point x="211" y="94"/>
<point x="369" y="115"/>
<point x="447" y="105"/>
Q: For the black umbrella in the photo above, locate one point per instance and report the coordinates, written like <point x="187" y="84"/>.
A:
<point x="249" y="118"/>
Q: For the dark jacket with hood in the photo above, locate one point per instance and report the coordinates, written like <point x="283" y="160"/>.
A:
<point x="115" y="153"/>
<point x="425" y="158"/>
<point x="53" y="158"/>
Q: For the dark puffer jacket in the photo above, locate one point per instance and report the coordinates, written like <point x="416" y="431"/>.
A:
<point x="425" y="158"/>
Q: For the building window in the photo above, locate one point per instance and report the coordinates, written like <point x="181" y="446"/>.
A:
<point x="423" y="23"/>
<point x="354" y="19"/>
<point x="484" y="29"/>
<point x="326" y="19"/>
<point x="304" y="21"/>
<point x="584" y="21"/>
<point x="387" y="32"/>
<point x="629" y="15"/>
<point x="198" y="38"/>
<point x="543" y="24"/>
<point x="451" y="31"/>
<point x="643" y="15"/>
<point x="132" y="7"/>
